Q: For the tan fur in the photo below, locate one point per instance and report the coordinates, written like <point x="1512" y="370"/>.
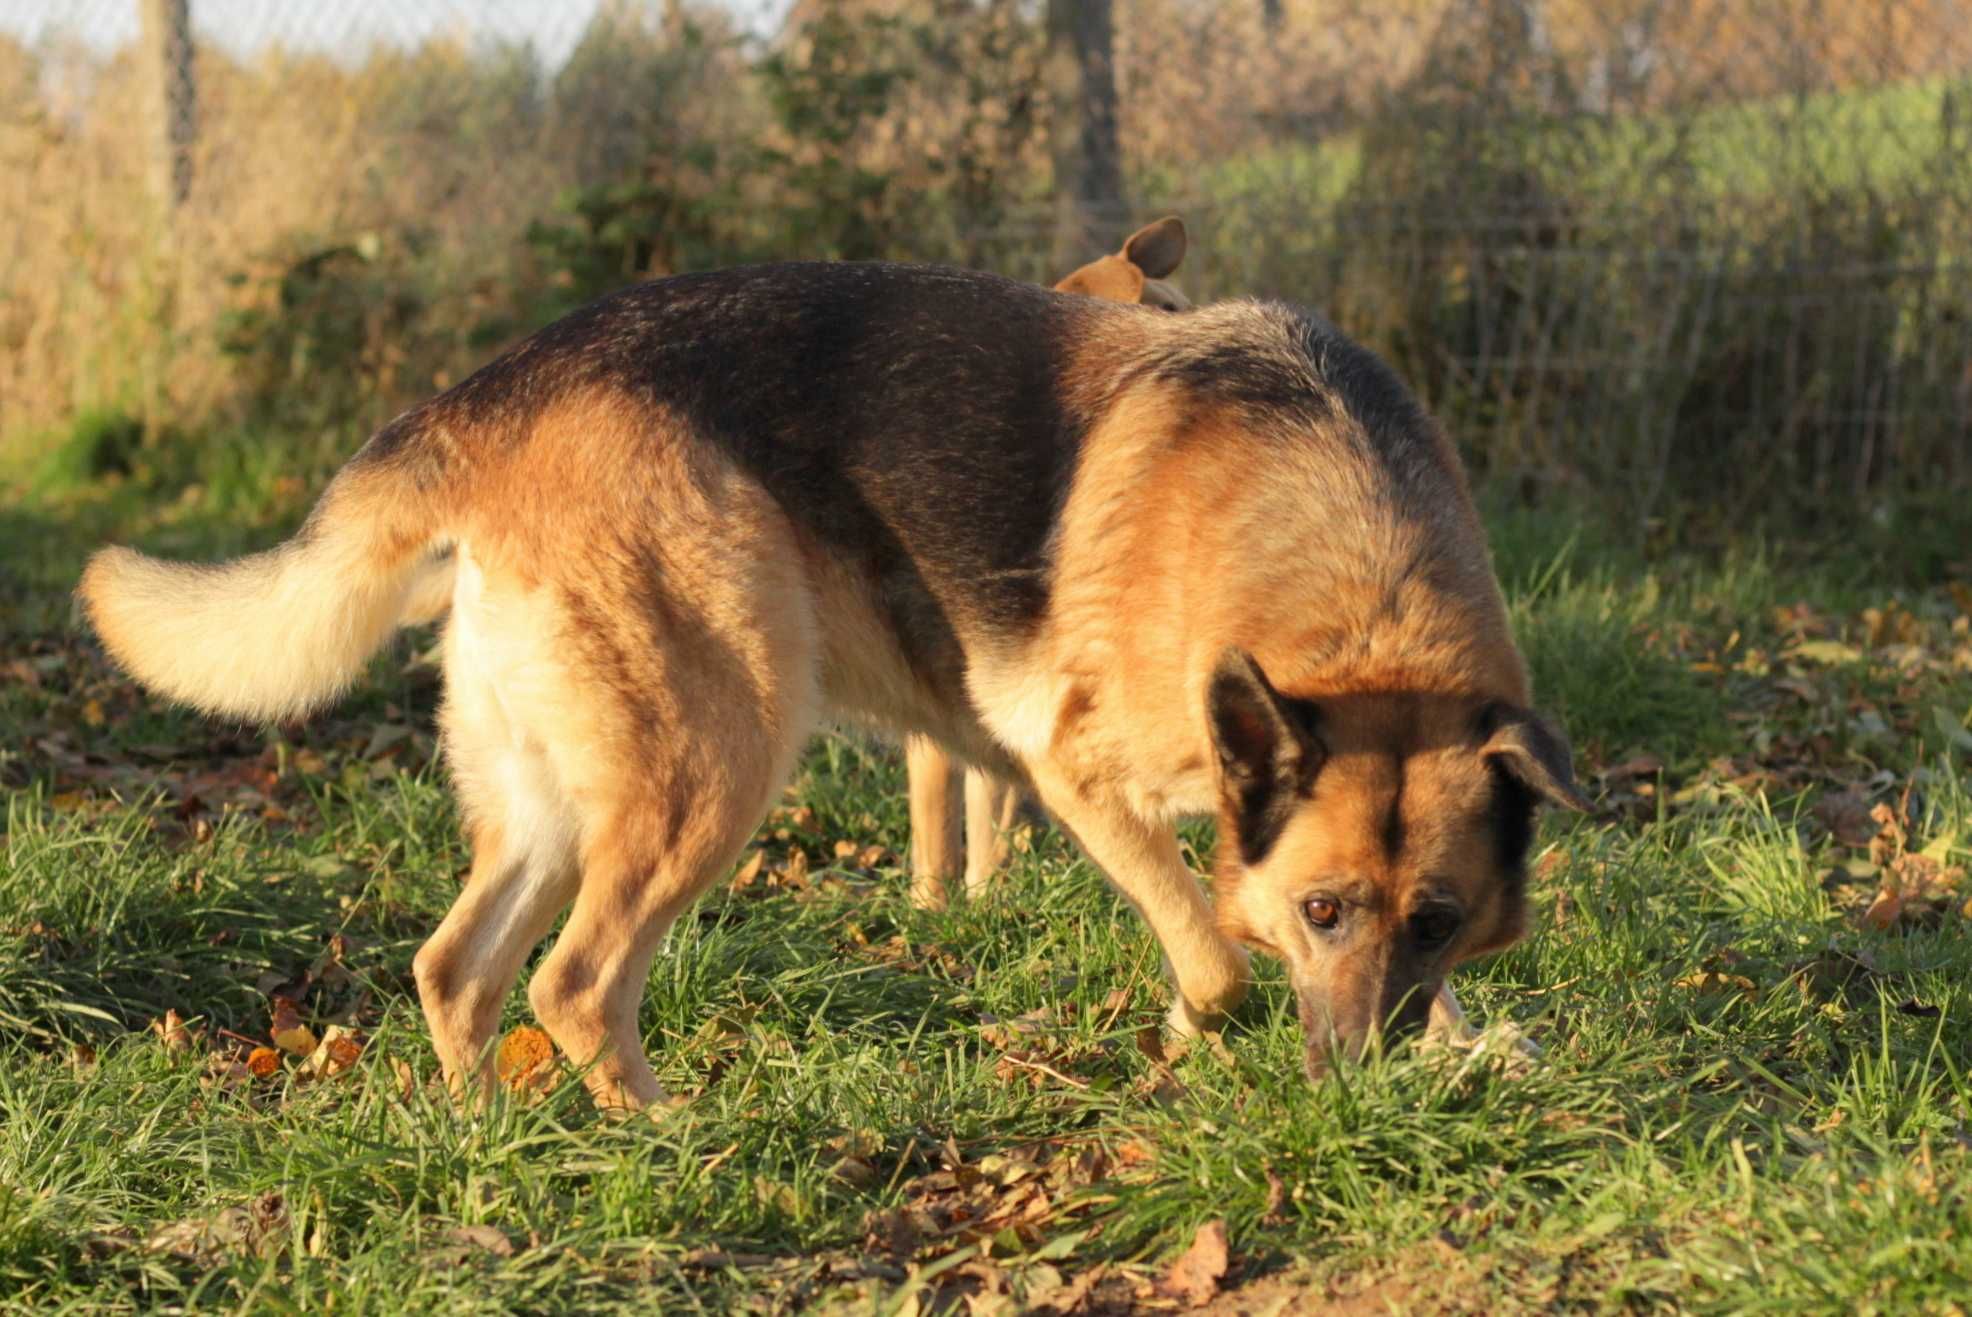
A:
<point x="298" y="620"/>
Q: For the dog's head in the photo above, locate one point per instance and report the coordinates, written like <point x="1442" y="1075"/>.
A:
<point x="1373" y="842"/>
<point x="1136" y="273"/>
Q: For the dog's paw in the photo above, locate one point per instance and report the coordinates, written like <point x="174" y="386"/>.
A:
<point x="1502" y="1043"/>
<point x="1187" y="1021"/>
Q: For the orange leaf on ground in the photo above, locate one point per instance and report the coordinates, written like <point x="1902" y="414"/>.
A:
<point x="525" y="1060"/>
<point x="263" y="1062"/>
<point x="341" y="1048"/>
<point x="1885" y="910"/>
<point x="407" y="1078"/>
<point x="1194" y="1278"/>
<point x="749" y="872"/>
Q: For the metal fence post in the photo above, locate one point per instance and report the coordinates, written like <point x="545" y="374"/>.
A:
<point x="1088" y="166"/>
<point x="167" y="45"/>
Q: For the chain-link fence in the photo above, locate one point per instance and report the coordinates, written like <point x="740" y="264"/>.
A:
<point x="1714" y="247"/>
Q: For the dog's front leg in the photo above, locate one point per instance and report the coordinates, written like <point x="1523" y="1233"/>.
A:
<point x="1448" y="1020"/>
<point x="1209" y="971"/>
<point x="1448" y="1023"/>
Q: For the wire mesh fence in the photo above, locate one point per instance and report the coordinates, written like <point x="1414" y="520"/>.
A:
<point x="1713" y="248"/>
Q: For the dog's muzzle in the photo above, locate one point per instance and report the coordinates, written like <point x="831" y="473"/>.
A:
<point x="1395" y="1010"/>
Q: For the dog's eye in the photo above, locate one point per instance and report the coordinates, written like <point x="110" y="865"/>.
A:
<point x="1435" y="925"/>
<point x="1323" y="912"/>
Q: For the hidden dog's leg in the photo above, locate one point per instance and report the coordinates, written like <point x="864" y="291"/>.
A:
<point x="934" y="786"/>
<point x="990" y="806"/>
<point x="1209" y="970"/>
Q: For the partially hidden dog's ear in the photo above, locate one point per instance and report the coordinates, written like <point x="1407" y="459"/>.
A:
<point x="1163" y="296"/>
<point x="1535" y="753"/>
<point x="1268" y="749"/>
<point x="1157" y="248"/>
<point x="1111" y="278"/>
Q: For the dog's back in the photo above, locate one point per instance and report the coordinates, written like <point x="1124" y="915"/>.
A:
<point x="924" y="425"/>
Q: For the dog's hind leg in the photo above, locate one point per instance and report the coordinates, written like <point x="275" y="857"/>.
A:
<point x="665" y="835"/>
<point x="990" y="806"/>
<point x="467" y="968"/>
<point x="696" y="701"/>
<point x="523" y="873"/>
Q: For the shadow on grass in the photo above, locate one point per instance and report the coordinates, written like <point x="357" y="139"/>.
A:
<point x="106" y="927"/>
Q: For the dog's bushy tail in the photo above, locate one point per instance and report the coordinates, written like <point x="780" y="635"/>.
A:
<point x="274" y="634"/>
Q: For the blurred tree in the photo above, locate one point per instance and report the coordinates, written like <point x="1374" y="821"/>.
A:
<point x="1088" y="170"/>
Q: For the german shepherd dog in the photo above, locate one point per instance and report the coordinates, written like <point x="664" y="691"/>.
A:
<point x="1135" y="272"/>
<point x="1140" y="564"/>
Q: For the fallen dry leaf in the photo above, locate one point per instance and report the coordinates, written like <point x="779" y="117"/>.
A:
<point x="1885" y="911"/>
<point x="171" y="1029"/>
<point x="225" y="1070"/>
<point x="1711" y="980"/>
<point x="488" y="1239"/>
<point x="1074" y="1296"/>
<point x="1645" y="765"/>
<point x="407" y="1078"/>
<point x="1276" y="1199"/>
<point x="525" y="1061"/>
<point x="1829" y="653"/>
<point x="1846" y="815"/>
<point x="1194" y="1278"/>
<point x="1893" y="831"/>
<point x="263" y="1062"/>
<point x="855" y="1163"/>
<point x="340" y="1049"/>
<point x="257" y="1229"/>
<point x="749" y="872"/>
<point x="289" y="1033"/>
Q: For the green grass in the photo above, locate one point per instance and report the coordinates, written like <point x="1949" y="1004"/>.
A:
<point x="1748" y="1100"/>
<point x="1882" y="139"/>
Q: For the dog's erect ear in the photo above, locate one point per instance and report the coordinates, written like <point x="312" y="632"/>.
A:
<point x="1268" y="750"/>
<point x="1535" y="753"/>
<point x="1156" y="248"/>
<point x="1111" y="279"/>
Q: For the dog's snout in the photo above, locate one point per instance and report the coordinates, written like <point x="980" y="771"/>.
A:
<point x="1344" y="1024"/>
<point x="1404" y="1009"/>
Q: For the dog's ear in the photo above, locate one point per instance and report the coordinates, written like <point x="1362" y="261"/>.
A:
<point x="1268" y="749"/>
<point x="1111" y="278"/>
<point x="1163" y="296"/>
<point x="1534" y="753"/>
<point x="1156" y="248"/>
